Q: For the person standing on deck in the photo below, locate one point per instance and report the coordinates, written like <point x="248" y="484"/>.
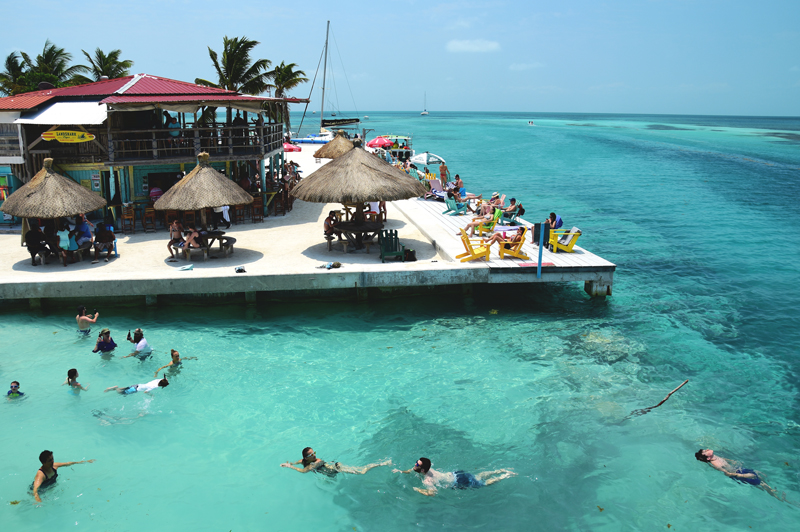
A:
<point x="85" y="321"/>
<point x="444" y="174"/>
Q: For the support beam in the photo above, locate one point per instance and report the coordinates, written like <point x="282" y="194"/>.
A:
<point x="35" y="303"/>
<point x="151" y="300"/>
<point x="250" y="297"/>
<point x="597" y="288"/>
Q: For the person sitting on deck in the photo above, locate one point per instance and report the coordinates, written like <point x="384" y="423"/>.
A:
<point x="330" y="223"/>
<point x="193" y="239"/>
<point x="312" y="463"/>
<point x="103" y="241"/>
<point x="512" y="209"/>
<point x="84" y="234"/>
<point x="485" y="219"/>
<point x="457" y="480"/>
<point x="36" y="243"/>
<point x="175" y="236"/>
<point x="506" y="242"/>
<point x="550" y="224"/>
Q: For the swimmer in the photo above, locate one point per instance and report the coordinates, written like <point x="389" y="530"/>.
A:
<point x="458" y="480"/>
<point x="176" y="361"/>
<point x="14" y="392"/>
<point x="312" y="463"/>
<point x="745" y="476"/>
<point x="72" y="381"/>
<point x="146" y="388"/>
<point x="143" y="349"/>
<point x="104" y="343"/>
<point x="48" y="473"/>
<point x="85" y="321"/>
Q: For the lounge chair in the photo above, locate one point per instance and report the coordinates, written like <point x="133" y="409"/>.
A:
<point x="488" y="227"/>
<point x="475" y="248"/>
<point x="390" y="245"/>
<point x="453" y="208"/>
<point x="564" y="240"/>
<point x="515" y="249"/>
<point x="436" y="190"/>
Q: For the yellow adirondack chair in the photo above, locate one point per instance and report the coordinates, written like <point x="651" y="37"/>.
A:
<point x="515" y="249"/>
<point x="564" y="240"/>
<point x="474" y="250"/>
<point x="488" y="227"/>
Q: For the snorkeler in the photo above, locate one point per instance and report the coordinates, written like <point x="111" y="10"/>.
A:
<point x="458" y="480"/>
<point x="47" y="474"/>
<point x="147" y="387"/>
<point x="312" y="463"/>
<point x="176" y="361"/>
<point x="85" y="321"/>
<point x="72" y="381"/>
<point x="748" y="476"/>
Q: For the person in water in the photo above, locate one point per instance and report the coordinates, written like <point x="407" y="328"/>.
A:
<point x="104" y="342"/>
<point x="85" y="321"/>
<point x="433" y="479"/>
<point x="133" y="388"/>
<point x="312" y="463"/>
<point x="48" y="473"/>
<point x="72" y="381"/>
<point x="142" y="349"/>
<point x="740" y="474"/>
<point x="175" y="362"/>
<point x="14" y="391"/>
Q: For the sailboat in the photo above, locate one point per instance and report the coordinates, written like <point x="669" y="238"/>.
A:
<point x="425" y="106"/>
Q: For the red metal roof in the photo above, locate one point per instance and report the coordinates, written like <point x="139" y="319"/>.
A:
<point x="146" y="84"/>
<point x="124" y="98"/>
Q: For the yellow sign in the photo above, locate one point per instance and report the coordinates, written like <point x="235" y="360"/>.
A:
<point x="68" y="136"/>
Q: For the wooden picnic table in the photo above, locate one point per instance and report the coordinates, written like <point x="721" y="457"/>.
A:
<point x="357" y="232"/>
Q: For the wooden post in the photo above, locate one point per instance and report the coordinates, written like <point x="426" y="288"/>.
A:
<point x="110" y="140"/>
<point x="155" y="145"/>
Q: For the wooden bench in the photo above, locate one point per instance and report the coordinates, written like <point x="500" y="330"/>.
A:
<point x="187" y="252"/>
<point x="226" y="244"/>
<point x="86" y="247"/>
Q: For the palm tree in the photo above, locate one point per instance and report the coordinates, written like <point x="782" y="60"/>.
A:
<point x="54" y="61"/>
<point x="237" y="71"/>
<point x="105" y="65"/>
<point x="285" y="79"/>
<point x="10" y="79"/>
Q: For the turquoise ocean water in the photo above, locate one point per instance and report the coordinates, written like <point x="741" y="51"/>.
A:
<point x="700" y="214"/>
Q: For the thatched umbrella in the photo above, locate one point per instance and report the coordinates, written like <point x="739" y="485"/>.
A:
<point x="357" y="177"/>
<point x="335" y="148"/>
<point x="202" y="188"/>
<point x="51" y="195"/>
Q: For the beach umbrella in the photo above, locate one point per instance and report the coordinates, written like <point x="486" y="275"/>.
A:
<point x="291" y="147"/>
<point x="427" y="159"/>
<point x="357" y="177"/>
<point x="335" y="148"/>
<point x="51" y="195"/>
<point x="202" y="188"/>
<point x="379" y="142"/>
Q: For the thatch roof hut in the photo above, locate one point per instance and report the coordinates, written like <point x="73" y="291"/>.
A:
<point x="201" y="188"/>
<point x="51" y="195"/>
<point x="335" y="148"/>
<point x="357" y="177"/>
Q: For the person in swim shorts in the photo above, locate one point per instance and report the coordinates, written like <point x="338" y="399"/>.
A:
<point x="48" y="473"/>
<point x="175" y="362"/>
<point x="175" y="235"/>
<point x="740" y="474"/>
<point x="458" y="480"/>
<point x="134" y="388"/>
<point x="85" y="321"/>
<point x="312" y="463"/>
<point x="142" y="349"/>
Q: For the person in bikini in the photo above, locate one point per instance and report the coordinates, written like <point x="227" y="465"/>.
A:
<point x="175" y="362"/>
<point x="192" y="241"/>
<point x="433" y="479"/>
<point x="48" y="473"/>
<point x="311" y="463"/>
<point x="506" y="242"/>
<point x="330" y="225"/>
<point x="175" y="236"/>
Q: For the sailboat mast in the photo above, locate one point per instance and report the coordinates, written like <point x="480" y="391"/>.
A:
<point x="324" y="72"/>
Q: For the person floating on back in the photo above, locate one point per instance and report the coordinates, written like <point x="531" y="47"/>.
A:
<point x="433" y="479"/>
<point x="14" y="392"/>
<point x="134" y="388"/>
<point x="312" y="463"/>
<point x="740" y="474"/>
<point x="48" y="473"/>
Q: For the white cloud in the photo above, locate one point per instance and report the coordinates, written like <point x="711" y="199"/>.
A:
<point x="475" y="45"/>
<point x="460" y="24"/>
<point x="525" y="66"/>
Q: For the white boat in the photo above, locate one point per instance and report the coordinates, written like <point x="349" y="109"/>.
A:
<point x="366" y="117"/>
<point x="323" y="137"/>
<point x="425" y="106"/>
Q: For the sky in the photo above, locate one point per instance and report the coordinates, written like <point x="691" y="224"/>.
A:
<point x="702" y="57"/>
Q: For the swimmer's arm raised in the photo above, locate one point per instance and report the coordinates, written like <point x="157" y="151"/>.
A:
<point x="64" y="464"/>
<point x="94" y="319"/>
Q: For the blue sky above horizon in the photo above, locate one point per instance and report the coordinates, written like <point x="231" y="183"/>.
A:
<point x="657" y="56"/>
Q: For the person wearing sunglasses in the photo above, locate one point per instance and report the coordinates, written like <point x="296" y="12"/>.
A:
<point x="14" y="392"/>
<point x="312" y="463"/>
<point x="458" y="480"/>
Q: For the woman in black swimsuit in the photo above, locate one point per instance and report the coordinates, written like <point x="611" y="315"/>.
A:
<point x="312" y="463"/>
<point x="48" y="473"/>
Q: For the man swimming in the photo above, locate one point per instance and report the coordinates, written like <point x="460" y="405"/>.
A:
<point x="312" y="463"/>
<point x="748" y="476"/>
<point x="134" y="388"/>
<point x="458" y="480"/>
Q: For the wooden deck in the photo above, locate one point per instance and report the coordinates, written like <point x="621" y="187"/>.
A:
<point x="442" y="230"/>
